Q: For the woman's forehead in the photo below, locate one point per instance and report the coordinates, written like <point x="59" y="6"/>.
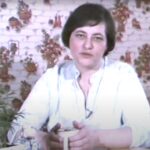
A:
<point x="99" y="28"/>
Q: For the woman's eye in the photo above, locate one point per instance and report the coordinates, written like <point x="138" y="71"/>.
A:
<point x="81" y="36"/>
<point x="97" y="38"/>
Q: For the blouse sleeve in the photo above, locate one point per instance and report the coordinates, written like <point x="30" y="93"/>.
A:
<point x="135" y="107"/>
<point x="34" y="111"/>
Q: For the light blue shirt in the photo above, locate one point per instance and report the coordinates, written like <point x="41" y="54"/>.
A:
<point x="116" y="98"/>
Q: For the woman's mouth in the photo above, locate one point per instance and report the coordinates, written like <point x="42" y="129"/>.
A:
<point x="86" y="55"/>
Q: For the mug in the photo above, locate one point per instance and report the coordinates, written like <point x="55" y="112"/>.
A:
<point x="66" y="134"/>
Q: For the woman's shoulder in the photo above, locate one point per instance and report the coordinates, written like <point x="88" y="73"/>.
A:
<point x="120" y="66"/>
<point x="59" y="68"/>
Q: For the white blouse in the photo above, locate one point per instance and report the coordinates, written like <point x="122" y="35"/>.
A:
<point x="116" y="98"/>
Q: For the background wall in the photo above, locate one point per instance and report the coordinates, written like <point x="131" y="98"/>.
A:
<point x="30" y="40"/>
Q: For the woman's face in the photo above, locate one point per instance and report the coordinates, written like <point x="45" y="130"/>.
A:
<point x="87" y="45"/>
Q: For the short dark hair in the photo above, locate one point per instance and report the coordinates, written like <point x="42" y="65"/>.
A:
<point x="90" y="14"/>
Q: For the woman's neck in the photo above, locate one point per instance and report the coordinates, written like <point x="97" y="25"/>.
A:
<point x="84" y="80"/>
<point x="87" y="72"/>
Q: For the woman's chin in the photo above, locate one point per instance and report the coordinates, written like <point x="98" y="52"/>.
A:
<point x="88" y="65"/>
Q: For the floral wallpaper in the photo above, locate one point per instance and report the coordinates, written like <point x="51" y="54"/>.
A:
<point x="51" y="50"/>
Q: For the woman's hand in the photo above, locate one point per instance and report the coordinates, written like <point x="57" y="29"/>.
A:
<point x="86" y="139"/>
<point x="90" y="139"/>
<point x="49" y="141"/>
<point x="55" y="141"/>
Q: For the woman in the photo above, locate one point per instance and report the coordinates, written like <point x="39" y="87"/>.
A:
<point x="103" y="99"/>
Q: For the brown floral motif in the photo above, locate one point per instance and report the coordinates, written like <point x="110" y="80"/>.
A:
<point x="16" y="103"/>
<point x="14" y="46"/>
<point x="25" y="15"/>
<point x="24" y="12"/>
<point x="50" y="50"/>
<point x="139" y="2"/>
<point x="6" y="59"/>
<point x="25" y="89"/>
<point x="119" y="36"/>
<point x="4" y="74"/>
<point x="136" y="23"/>
<point x="127" y="57"/>
<point x="30" y="65"/>
<point x="67" y="57"/>
<point x="121" y="14"/>
<point x="3" y="5"/>
<point x="57" y="22"/>
<point x="142" y="62"/>
<point x="15" y="23"/>
<point x="47" y="1"/>
<point x="4" y="55"/>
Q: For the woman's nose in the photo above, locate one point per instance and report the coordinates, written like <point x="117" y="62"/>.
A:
<point x="88" y="44"/>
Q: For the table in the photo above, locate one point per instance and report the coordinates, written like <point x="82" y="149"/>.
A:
<point x="131" y="149"/>
<point x="18" y="147"/>
<point x="22" y="147"/>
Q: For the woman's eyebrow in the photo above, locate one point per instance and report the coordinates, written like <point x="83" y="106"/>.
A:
<point x="98" y="34"/>
<point x="84" y="32"/>
<point x="79" y="31"/>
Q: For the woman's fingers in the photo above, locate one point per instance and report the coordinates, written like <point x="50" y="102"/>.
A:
<point x="56" y="127"/>
<point x="78" y="125"/>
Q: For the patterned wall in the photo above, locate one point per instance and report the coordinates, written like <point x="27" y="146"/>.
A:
<point x="30" y="40"/>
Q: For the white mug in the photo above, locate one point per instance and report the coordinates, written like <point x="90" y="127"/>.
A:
<point x="66" y="134"/>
